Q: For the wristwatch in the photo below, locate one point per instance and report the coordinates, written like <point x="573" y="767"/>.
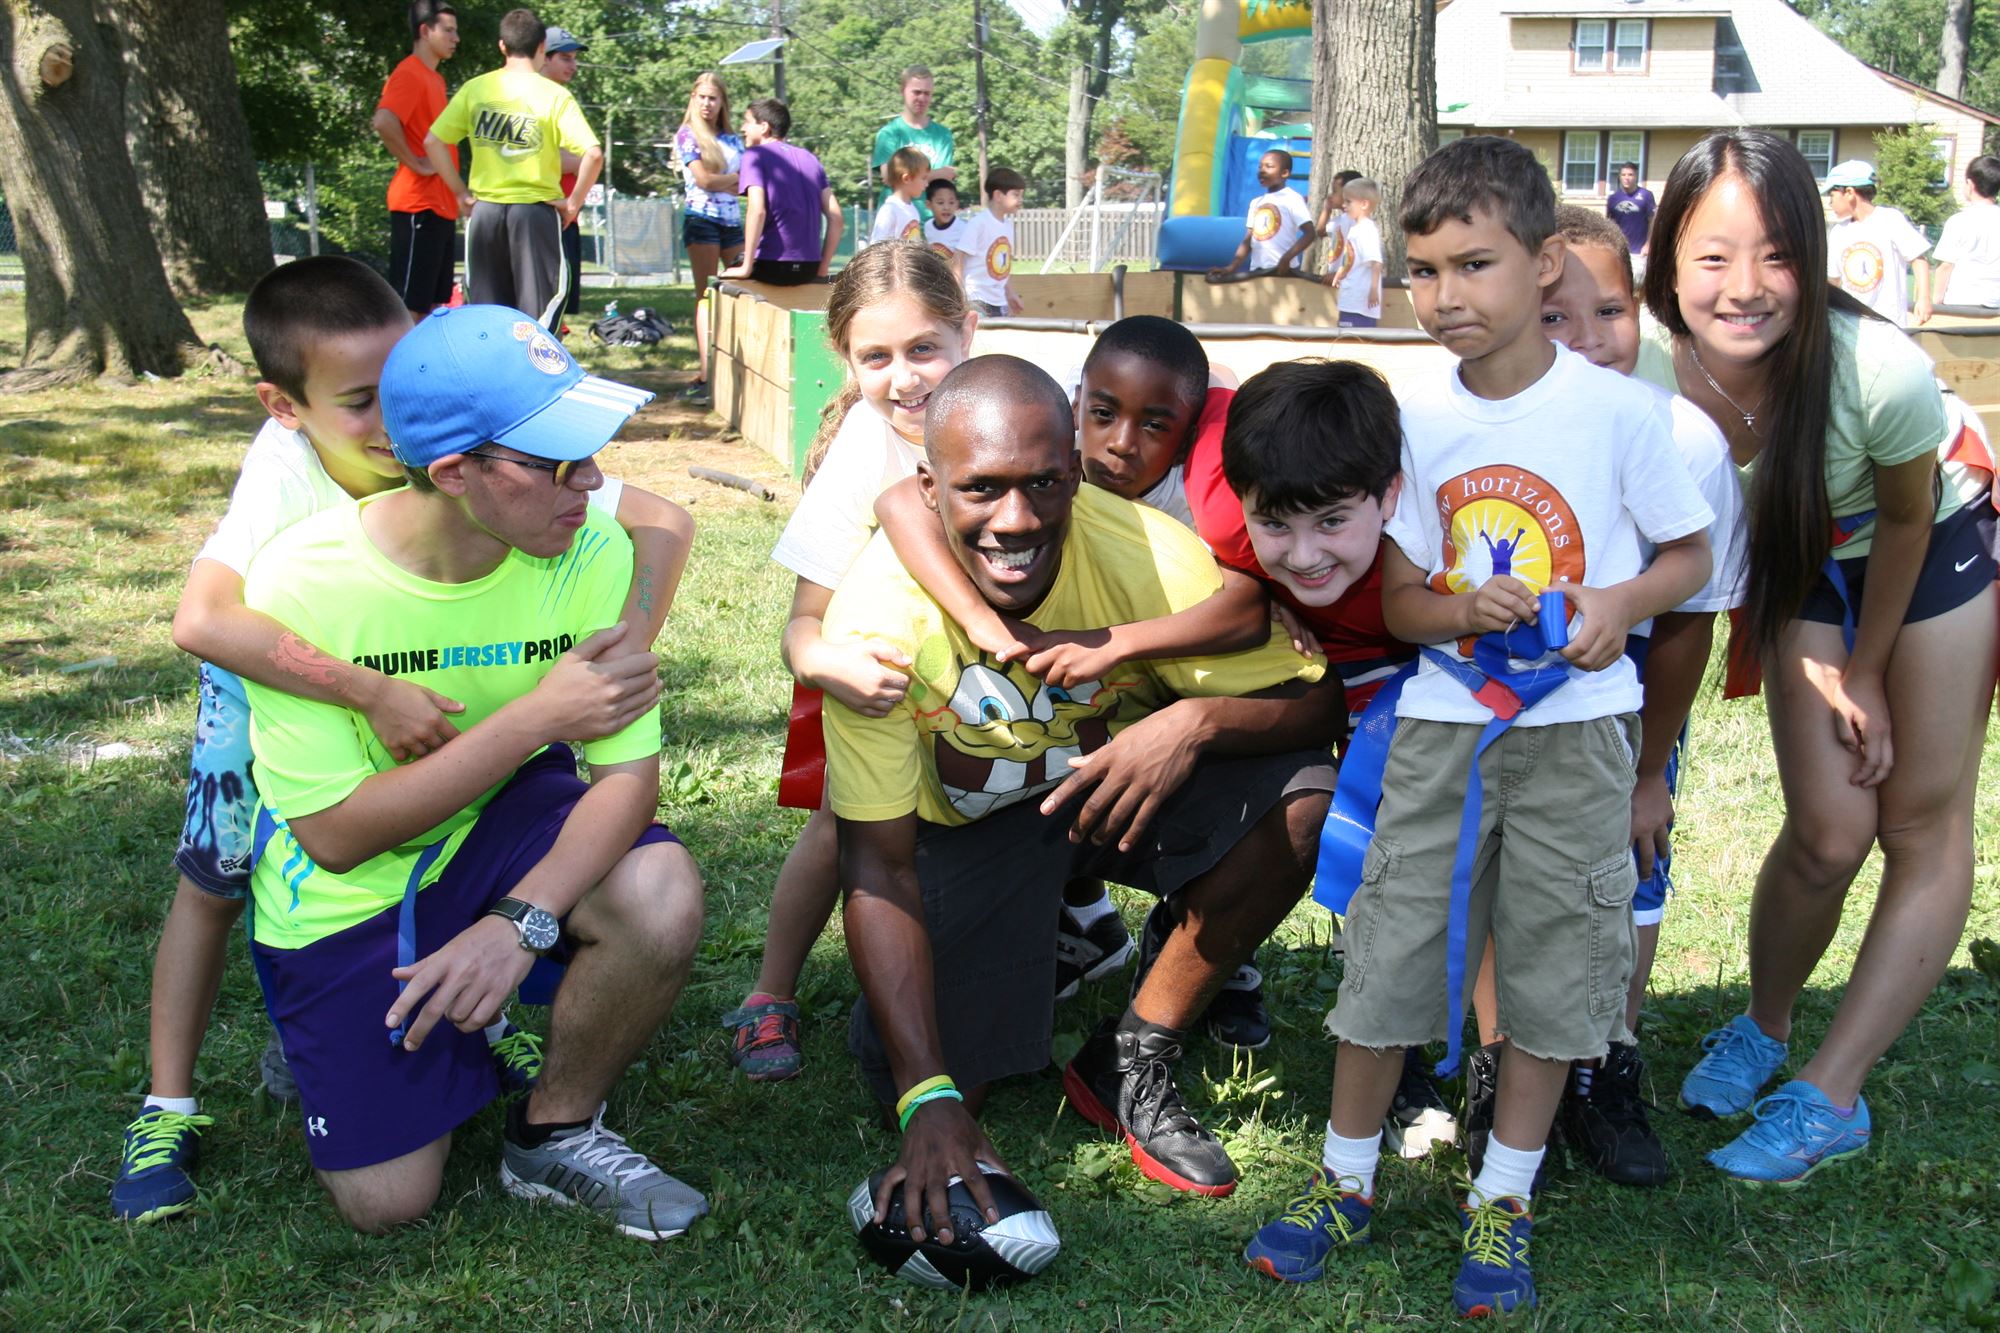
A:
<point x="539" y="930"/>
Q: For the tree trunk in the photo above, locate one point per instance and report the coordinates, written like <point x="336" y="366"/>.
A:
<point x="190" y="145"/>
<point x="1379" y="116"/>
<point x="1954" y="49"/>
<point x="97" y="299"/>
<point x="1076" y="141"/>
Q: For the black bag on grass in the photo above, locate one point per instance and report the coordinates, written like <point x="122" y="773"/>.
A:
<point x="641" y="328"/>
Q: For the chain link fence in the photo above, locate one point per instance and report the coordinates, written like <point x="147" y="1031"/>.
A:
<point x="10" y="249"/>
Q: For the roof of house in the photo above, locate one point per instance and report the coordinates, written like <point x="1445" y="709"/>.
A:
<point x="1803" y="76"/>
<point x="1919" y="93"/>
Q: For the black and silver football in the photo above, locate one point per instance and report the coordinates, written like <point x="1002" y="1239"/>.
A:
<point x="982" y="1254"/>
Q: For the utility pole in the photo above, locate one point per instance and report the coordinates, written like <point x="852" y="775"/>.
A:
<point x="979" y="35"/>
<point x="979" y="85"/>
<point x="778" y="56"/>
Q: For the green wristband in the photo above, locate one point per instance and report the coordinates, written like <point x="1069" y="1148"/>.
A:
<point x="934" y="1095"/>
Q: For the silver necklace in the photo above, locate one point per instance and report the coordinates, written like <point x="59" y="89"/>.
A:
<point x="1750" y="417"/>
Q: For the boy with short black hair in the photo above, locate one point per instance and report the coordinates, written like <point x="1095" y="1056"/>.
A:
<point x="1968" y="253"/>
<point x="946" y="224"/>
<point x="320" y="330"/>
<point x="1360" y="292"/>
<point x="986" y="247"/>
<point x="897" y="219"/>
<point x="1277" y="228"/>
<point x="1509" y="750"/>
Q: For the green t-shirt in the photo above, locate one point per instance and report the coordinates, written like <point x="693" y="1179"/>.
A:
<point x="934" y="141"/>
<point x="1885" y="408"/>
<point x="484" y="643"/>
<point x="519" y="123"/>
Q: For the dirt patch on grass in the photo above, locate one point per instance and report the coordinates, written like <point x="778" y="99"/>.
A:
<point x="659" y="446"/>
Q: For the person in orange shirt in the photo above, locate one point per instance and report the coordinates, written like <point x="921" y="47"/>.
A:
<point x="423" y="212"/>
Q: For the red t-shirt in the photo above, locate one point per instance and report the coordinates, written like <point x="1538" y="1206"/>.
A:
<point x="1350" y="631"/>
<point x="414" y="94"/>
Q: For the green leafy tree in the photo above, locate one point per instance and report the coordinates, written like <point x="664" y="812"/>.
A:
<point x="1144" y="106"/>
<point x="1907" y="171"/>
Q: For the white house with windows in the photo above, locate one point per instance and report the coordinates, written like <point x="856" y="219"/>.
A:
<point x="1592" y="84"/>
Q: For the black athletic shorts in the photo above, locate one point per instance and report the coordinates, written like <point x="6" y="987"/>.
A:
<point x="422" y="258"/>
<point x="992" y="889"/>
<point x="1958" y="563"/>
<point x="573" y="258"/>
<point x="785" y="272"/>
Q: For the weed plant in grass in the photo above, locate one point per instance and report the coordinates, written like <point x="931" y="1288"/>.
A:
<point x="108" y="492"/>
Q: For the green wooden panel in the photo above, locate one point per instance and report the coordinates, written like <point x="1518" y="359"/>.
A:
<point x="817" y="374"/>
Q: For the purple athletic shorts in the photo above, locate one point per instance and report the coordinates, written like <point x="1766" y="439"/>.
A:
<point x="363" y="1100"/>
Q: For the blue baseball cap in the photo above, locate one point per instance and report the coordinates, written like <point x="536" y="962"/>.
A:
<point x="474" y="374"/>
<point x="562" y="39"/>
<point x="1849" y="175"/>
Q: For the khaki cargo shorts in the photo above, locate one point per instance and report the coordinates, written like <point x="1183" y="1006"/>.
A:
<point x="1553" y="879"/>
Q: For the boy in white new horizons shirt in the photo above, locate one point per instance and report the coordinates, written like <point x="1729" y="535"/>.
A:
<point x="1277" y="229"/>
<point x="1871" y="250"/>
<point x="986" y="246"/>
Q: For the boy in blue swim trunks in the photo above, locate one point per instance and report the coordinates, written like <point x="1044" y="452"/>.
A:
<point x="320" y="330"/>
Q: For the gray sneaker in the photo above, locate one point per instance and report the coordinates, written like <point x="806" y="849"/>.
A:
<point x="595" y="1167"/>
<point x="279" y="1085"/>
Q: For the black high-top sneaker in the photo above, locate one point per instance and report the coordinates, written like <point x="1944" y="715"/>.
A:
<point x="1123" y="1080"/>
<point x="1607" y="1125"/>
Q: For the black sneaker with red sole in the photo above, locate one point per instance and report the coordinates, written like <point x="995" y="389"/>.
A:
<point x="1124" y="1082"/>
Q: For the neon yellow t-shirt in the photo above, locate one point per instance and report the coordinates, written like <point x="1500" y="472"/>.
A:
<point x="972" y="735"/>
<point x="519" y="124"/>
<point x="484" y="643"/>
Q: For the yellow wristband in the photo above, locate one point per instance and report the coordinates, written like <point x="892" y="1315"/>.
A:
<point x="930" y="1084"/>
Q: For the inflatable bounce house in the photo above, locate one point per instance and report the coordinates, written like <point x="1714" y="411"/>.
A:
<point x="1250" y="91"/>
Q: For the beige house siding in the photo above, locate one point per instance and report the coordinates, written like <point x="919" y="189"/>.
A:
<point x="1683" y="55"/>
<point x="1540" y="57"/>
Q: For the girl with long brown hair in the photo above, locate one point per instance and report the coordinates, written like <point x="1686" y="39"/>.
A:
<point x="708" y="152"/>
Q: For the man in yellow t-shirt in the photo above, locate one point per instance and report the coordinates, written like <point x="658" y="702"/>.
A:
<point x="963" y="812"/>
<point x="520" y="125"/>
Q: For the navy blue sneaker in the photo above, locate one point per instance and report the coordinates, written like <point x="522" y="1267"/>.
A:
<point x="1295" y="1245"/>
<point x="154" y="1180"/>
<point x="1797" y="1131"/>
<point x="518" y="1057"/>
<point x="1493" y="1276"/>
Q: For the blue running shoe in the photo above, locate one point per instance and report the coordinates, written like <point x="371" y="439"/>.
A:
<point x="1797" y="1132"/>
<point x="161" y="1148"/>
<point x="518" y="1057"/>
<point x="1294" y="1246"/>
<point x="1740" y="1061"/>
<point x="1493" y="1276"/>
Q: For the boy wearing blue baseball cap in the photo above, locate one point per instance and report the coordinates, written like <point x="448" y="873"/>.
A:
<point x="398" y="906"/>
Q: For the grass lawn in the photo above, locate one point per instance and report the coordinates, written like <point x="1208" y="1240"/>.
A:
<point x="107" y="493"/>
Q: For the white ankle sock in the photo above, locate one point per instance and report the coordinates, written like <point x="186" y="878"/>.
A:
<point x="1352" y="1159"/>
<point x="1505" y="1171"/>
<point x="496" y="1029"/>
<point x="1090" y="912"/>
<point x="184" y="1105"/>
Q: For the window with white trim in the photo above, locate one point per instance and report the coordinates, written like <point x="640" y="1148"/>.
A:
<point x="1629" y="46"/>
<point x="1580" y="162"/>
<point x="1625" y="146"/>
<point x="1590" y="42"/>
<point x="1942" y="150"/>
<point x="1816" y="147"/>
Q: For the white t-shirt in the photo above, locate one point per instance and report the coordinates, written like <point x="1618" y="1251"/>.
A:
<point x="1871" y="259"/>
<point x="987" y="242"/>
<point x="897" y="220"/>
<point x="1707" y="456"/>
<point x="1274" y="221"/>
<point x="943" y="240"/>
<point x="1557" y="509"/>
<point x="1337" y="258"/>
<point x="283" y="481"/>
<point x="1971" y="245"/>
<point x="1360" y="288"/>
<point x="836" y="516"/>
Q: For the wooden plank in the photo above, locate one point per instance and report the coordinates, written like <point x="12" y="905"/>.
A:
<point x="1290" y="301"/>
<point x="1150" y="293"/>
<point x="1232" y="359"/>
<point x="1064" y="295"/>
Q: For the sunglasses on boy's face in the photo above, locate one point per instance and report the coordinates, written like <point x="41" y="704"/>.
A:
<point x="562" y="472"/>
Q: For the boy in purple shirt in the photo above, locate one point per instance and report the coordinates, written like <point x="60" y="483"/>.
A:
<point x="1632" y="206"/>
<point x="786" y="194"/>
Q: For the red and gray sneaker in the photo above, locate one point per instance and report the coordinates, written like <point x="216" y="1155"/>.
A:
<point x="1123" y="1080"/>
<point x="766" y="1045"/>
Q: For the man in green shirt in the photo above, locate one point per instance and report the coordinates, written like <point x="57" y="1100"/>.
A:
<point x="914" y="129"/>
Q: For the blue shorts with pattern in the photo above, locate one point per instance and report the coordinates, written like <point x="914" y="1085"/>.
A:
<point x="214" y="851"/>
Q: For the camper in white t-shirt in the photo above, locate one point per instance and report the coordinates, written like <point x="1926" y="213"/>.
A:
<point x="986" y="249"/>
<point x="1359" y="296"/>
<point x="945" y="224"/>
<point x="1276" y="228"/>
<point x="1968" y="253"/>
<point x="898" y="219"/>
<point x="1871" y="251"/>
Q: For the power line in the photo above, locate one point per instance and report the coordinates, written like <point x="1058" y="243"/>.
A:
<point x="1040" y="78"/>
